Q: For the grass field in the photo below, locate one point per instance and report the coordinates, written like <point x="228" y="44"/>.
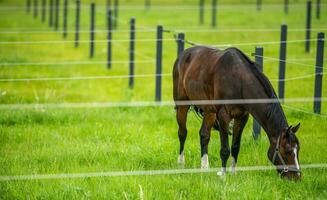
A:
<point x="80" y="140"/>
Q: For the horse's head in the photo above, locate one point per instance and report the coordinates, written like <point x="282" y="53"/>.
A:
<point x="285" y="152"/>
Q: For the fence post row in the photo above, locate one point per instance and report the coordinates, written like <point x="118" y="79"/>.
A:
<point x="116" y="14"/>
<point x="318" y="9"/>
<point x="28" y="6"/>
<point x="44" y="8"/>
<point x="308" y="27"/>
<point x="57" y="15"/>
<point x="147" y="4"/>
<point x="180" y="43"/>
<point x="259" y="61"/>
<point x="65" y="18"/>
<point x="282" y="61"/>
<point x="51" y="13"/>
<point x="201" y="11"/>
<point x="92" y="24"/>
<point x="286" y="6"/>
<point x="109" y="24"/>
<point x="35" y="8"/>
<point x="214" y="13"/>
<point x="131" y="53"/>
<point x="319" y="72"/>
<point x="259" y="2"/>
<point x="77" y="21"/>
<point x="159" y="63"/>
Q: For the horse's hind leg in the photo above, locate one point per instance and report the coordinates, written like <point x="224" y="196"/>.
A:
<point x="181" y="116"/>
<point x="239" y="124"/>
<point x="207" y="123"/>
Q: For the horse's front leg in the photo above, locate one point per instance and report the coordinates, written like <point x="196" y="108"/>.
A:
<point x="239" y="124"/>
<point x="224" y="121"/>
<point x="207" y="123"/>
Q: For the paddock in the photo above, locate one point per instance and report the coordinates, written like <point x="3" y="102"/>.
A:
<point x="76" y="124"/>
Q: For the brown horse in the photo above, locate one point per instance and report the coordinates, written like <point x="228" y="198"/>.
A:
<point x="203" y="74"/>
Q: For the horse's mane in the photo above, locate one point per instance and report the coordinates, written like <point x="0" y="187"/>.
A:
<point x="258" y="74"/>
<point x="273" y="108"/>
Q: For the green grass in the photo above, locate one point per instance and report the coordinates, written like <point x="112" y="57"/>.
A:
<point x="51" y="141"/>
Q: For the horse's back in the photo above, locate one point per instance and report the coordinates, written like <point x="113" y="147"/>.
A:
<point x="195" y="71"/>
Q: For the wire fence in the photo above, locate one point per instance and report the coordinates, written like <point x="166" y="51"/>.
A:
<point x="82" y="78"/>
<point x="149" y="172"/>
<point x="152" y="30"/>
<point x="160" y="103"/>
<point x="65" y="63"/>
<point x="158" y="7"/>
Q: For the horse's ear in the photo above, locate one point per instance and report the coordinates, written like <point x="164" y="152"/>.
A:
<point x="295" y="128"/>
<point x="288" y="131"/>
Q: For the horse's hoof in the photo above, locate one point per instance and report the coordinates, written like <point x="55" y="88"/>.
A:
<point x="204" y="166"/>
<point x="221" y="173"/>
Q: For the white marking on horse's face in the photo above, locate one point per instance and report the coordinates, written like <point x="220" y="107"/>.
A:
<point x="295" y="158"/>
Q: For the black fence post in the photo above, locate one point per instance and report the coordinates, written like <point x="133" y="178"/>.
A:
<point x="57" y="15"/>
<point x="214" y="13"/>
<point x="180" y="43"/>
<point x="108" y="5"/>
<point x="318" y="9"/>
<point x="319" y="72"/>
<point x="65" y="18"/>
<point x="201" y="11"/>
<point x="259" y="4"/>
<point x="109" y="24"/>
<point x="147" y="4"/>
<point x="44" y="8"/>
<point x="282" y="61"/>
<point x="116" y="14"/>
<point x="259" y="60"/>
<point x="131" y="53"/>
<point x="159" y="63"/>
<point x="286" y="6"/>
<point x="28" y="6"/>
<point x="92" y="30"/>
<point x="51" y="13"/>
<point x="77" y="21"/>
<point x="308" y="27"/>
<point x="35" y="8"/>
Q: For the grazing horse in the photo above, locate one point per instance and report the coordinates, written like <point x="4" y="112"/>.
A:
<point x="204" y="74"/>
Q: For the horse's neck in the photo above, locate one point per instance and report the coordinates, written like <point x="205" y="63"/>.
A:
<point x="271" y="118"/>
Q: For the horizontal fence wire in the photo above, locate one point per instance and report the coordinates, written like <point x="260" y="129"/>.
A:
<point x="245" y="43"/>
<point x="159" y="104"/>
<point x="179" y="7"/>
<point x="297" y="77"/>
<point x="80" y="41"/>
<point x="82" y="77"/>
<point x="70" y="63"/>
<point x="127" y="76"/>
<point x="304" y="111"/>
<point x="149" y="172"/>
<point x="152" y="40"/>
<point x="290" y="62"/>
<point x="149" y="30"/>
